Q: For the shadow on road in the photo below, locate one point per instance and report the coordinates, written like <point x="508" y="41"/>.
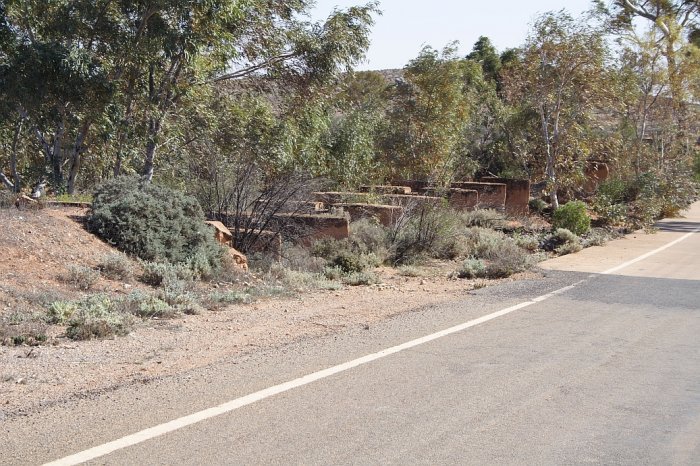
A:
<point x="678" y="226"/>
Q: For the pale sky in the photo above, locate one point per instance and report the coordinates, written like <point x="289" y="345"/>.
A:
<point x="407" y="25"/>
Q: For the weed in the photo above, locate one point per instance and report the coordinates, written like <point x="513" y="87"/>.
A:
<point x="116" y="267"/>
<point x="22" y="328"/>
<point x="410" y="271"/>
<point x="97" y="316"/>
<point x="472" y="268"/>
<point x="81" y="277"/>
<point x="360" y="278"/>
<point x="231" y="297"/>
<point x="485" y="218"/>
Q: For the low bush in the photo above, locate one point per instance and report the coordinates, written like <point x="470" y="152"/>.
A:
<point x="537" y="205"/>
<point x="116" y="267"/>
<point x="472" y="268"/>
<point x="97" y="316"/>
<point x="368" y="236"/>
<point x="573" y="217"/>
<point x="22" y="328"/>
<point x="154" y="223"/>
<point x="146" y="306"/>
<point x="231" y="297"/>
<point x="158" y="274"/>
<point x="508" y="260"/>
<point x="425" y="230"/>
<point x="360" y="279"/>
<point x="485" y="218"/>
<point x="529" y="243"/>
<point x="83" y="278"/>
<point x="569" y="248"/>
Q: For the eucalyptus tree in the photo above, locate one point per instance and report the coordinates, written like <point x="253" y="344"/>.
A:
<point x="559" y="78"/>
<point x="429" y="111"/>
<point x="112" y="72"/>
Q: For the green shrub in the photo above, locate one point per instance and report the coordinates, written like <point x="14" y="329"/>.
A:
<point x="537" y="205"/>
<point x="345" y="255"/>
<point x="231" y="297"/>
<point x="484" y="243"/>
<point x="116" y="267"/>
<point x="360" y="279"/>
<point x="368" y="236"/>
<point x="83" y="278"/>
<point x="154" y="223"/>
<point x="562" y="235"/>
<point x="97" y="316"/>
<point x="507" y="260"/>
<point x="485" y="218"/>
<point x="569" y="248"/>
<point x="527" y="242"/>
<point x="472" y="268"/>
<point x="145" y="305"/>
<point x="164" y="274"/>
<point x="573" y="217"/>
<point x="60" y="311"/>
<point x="425" y="230"/>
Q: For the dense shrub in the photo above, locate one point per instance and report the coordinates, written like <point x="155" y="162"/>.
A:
<point x="573" y="217"/>
<point x="116" y="267"/>
<point x="154" y="223"/>
<point x="472" y="268"/>
<point x="83" y="278"/>
<point x="426" y="230"/>
<point x="537" y="205"/>
<point x="96" y="316"/>
<point x="486" y="218"/>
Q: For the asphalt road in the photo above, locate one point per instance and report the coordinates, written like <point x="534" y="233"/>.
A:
<point x="606" y="371"/>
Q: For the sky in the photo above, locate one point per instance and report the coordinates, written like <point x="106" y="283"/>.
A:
<point x="407" y="25"/>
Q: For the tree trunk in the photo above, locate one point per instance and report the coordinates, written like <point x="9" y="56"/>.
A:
<point x="550" y="169"/>
<point x="56" y="157"/>
<point x="154" y="126"/>
<point x="76" y="156"/>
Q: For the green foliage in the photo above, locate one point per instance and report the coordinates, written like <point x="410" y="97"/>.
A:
<point x="472" y="268"/>
<point x="572" y="216"/>
<point x="154" y="223"/>
<point x="537" y="205"/>
<point x="83" y="278"/>
<point x="164" y="274"/>
<point x="360" y="279"/>
<point x="116" y="267"/>
<point x="426" y="230"/>
<point x="97" y="316"/>
<point x="486" y="218"/>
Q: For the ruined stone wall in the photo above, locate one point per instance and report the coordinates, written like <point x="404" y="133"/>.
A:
<point x="491" y="195"/>
<point x="517" y="194"/>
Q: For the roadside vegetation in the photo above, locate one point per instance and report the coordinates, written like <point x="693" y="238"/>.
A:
<point x="165" y="115"/>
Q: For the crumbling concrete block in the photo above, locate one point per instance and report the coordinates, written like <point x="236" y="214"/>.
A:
<point x="517" y="194"/>
<point x="386" y="189"/>
<point x="387" y="215"/>
<point x="224" y="236"/>
<point x="491" y="195"/>
<point x="463" y="199"/>
<point x="596" y="172"/>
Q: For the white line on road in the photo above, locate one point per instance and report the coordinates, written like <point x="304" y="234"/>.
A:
<point x="650" y="253"/>
<point x="176" y="424"/>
